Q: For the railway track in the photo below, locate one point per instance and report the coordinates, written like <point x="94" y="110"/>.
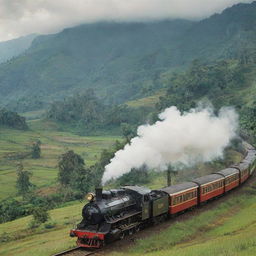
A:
<point x="77" y="251"/>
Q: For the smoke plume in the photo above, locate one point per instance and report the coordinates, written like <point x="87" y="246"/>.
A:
<point x="177" y="139"/>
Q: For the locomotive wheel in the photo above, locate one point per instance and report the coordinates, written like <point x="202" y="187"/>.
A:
<point x="130" y="232"/>
<point x="137" y="229"/>
<point x="122" y="235"/>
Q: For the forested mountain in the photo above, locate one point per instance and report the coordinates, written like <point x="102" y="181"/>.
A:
<point x="121" y="61"/>
<point x="12" y="120"/>
<point x="86" y="112"/>
<point x="15" y="47"/>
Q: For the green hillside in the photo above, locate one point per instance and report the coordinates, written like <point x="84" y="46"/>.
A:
<point x="122" y="61"/>
<point x="15" y="47"/>
<point x="112" y="58"/>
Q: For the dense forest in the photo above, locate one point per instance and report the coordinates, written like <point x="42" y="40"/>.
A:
<point x="122" y="61"/>
<point x="12" y="48"/>
<point x="12" y="120"/>
<point x="222" y="83"/>
<point x="87" y="112"/>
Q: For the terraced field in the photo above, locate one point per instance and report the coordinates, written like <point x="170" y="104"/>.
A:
<point x="15" y="146"/>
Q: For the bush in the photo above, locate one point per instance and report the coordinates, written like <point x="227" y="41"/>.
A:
<point x="40" y="215"/>
<point x="10" y="210"/>
<point x="33" y="224"/>
<point x="5" y="237"/>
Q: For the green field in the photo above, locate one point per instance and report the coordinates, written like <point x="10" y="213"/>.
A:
<point x="149" y="101"/>
<point x="15" y="143"/>
<point x="40" y="241"/>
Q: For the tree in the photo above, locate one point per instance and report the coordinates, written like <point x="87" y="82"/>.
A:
<point x="23" y="184"/>
<point x="170" y="173"/>
<point x="74" y="174"/>
<point x="10" y="209"/>
<point x="82" y="180"/>
<point x="127" y="131"/>
<point x="137" y="176"/>
<point x="12" y="119"/>
<point x="36" y="150"/>
<point x="68" y="164"/>
<point x="40" y="214"/>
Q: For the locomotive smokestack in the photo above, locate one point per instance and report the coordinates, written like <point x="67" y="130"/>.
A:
<point x="98" y="194"/>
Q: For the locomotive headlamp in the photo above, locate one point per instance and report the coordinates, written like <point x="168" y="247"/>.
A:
<point x="90" y="196"/>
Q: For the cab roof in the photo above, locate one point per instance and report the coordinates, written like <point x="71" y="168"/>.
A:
<point x="179" y="187"/>
<point x="138" y="189"/>
<point x="208" y="178"/>
<point x="228" y="171"/>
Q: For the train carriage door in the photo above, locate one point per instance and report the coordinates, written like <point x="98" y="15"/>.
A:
<point x="145" y="207"/>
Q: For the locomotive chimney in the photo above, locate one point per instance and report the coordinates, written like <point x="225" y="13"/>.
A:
<point x="98" y="194"/>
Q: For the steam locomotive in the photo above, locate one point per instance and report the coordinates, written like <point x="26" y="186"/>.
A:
<point x="113" y="214"/>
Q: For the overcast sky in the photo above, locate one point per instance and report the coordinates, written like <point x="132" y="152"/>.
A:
<point x="22" y="17"/>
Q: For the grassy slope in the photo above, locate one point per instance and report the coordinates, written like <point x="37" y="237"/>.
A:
<point x="149" y="101"/>
<point x="54" y="143"/>
<point x="37" y="241"/>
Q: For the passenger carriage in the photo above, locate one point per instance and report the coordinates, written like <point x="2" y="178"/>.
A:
<point x="244" y="168"/>
<point x="182" y="196"/>
<point x="251" y="159"/>
<point x="210" y="186"/>
<point x="231" y="176"/>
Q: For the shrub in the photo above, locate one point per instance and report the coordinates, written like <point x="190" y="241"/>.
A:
<point x="40" y="215"/>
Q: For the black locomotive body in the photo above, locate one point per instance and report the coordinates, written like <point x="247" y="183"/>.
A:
<point x="112" y="214"/>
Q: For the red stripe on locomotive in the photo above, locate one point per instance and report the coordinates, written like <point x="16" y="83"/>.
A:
<point x="86" y="234"/>
<point x="88" y="239"/>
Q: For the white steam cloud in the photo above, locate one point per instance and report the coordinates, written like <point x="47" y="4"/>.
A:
<point x="188" y="138"/>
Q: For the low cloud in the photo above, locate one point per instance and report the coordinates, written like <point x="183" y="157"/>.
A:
<point x="22" y="17"/>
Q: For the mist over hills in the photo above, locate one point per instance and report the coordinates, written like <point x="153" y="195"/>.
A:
<point x="121" y="61"/>
<point x="15" y="47"/>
